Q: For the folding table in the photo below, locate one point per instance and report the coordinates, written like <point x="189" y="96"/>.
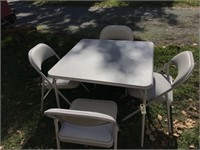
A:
<point x="109" y="62"/>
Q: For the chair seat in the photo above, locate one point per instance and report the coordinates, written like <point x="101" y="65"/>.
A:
<point x="101" y="106"/>
<point x="160" y="84"/>
<point x="62" y="84"/>
<point x="101" y="135"/>
<point x="96" y="135"/>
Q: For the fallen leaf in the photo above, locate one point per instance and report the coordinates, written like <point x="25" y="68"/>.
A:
<point x="175" y="121"/>
<point x="184" y="113"/>
<point x="159" y="117"/>
<point x="19" y="132"/>
<point x="194" y="44"/>
<point x="179" y="131"/>
<point x="166" y="132"/>
<point x="192" y="146"/>
<point x="180" y="125"/>
<point x="190" y="100"/>
<point x="189" y="123"/>
<point x="22" y="142"/>
<point x="176" y="135"/>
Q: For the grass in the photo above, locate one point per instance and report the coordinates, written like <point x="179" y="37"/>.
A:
<point x="24" y="127"/>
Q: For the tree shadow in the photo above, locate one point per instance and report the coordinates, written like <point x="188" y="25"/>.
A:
<point x="88" y="20"/>
<point x="153" y="21"/>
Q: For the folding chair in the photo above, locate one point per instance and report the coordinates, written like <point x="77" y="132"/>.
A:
<point x="39" y="54"/>
<point x="88" y="121"/>
<point x="116" y="32"/>
<point x="163" y="84"/>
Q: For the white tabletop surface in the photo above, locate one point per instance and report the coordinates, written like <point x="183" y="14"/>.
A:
<point x="110" y="62"/>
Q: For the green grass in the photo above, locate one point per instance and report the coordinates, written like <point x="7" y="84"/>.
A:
<point x="22" y="125"/>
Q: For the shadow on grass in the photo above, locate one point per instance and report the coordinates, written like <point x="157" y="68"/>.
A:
<point x="89" y="20"/>
<point x="21" y="98"/>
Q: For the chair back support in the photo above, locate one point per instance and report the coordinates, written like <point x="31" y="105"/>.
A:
<point x="82" y="118"/>
<point x="116" y="32"/>
<point x="38" y="54"/>
<point x="185" y="64"/>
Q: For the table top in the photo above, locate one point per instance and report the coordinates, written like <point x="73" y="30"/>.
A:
<point x="109" y="62"/>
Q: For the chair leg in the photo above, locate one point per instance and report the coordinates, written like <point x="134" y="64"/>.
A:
<point x="115" y="137"/>
<point x="169" y="119"/>
<point x="42" y="98"/>
<point x="56" y="132"/>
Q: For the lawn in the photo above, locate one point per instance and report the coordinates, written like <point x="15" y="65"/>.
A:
<point x="24" y="127"/>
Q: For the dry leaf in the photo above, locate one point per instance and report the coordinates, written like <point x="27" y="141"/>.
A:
<point x="19" y="132"/>
<point x="159" y="117"/>
<point x="175" y="121"/>
<point x="179" y="131"/>
<point x="190" y="123"/>
<point x="166" y="132"/>
<point x="190" y="100"/>
<point x="184" y="113"/>
<point x="176" y="135"/>
<point x="180" y="125"/>
<point x="22" y="142"/>
<point x="192" y="146"/>
<point x="194" y="44"/>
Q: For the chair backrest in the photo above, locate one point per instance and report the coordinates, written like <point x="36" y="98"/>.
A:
<point x="81" y="118"/>
<point x="185" y="64"/>
<point x="116" y="32"/>
<point x="38" y="54"/>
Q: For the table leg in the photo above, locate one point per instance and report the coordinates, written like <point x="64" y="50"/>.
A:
<point x="143" y="111"/>
<point x="56" y="93"/>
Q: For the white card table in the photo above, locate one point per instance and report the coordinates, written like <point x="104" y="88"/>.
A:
<point x="109" y="62"/>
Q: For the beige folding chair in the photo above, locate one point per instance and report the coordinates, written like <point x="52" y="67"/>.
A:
<point x="39" y="54"/>
<point x="88" y="122"/>
<point x="116" y="32"/>
<point x="163" y="84"/>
